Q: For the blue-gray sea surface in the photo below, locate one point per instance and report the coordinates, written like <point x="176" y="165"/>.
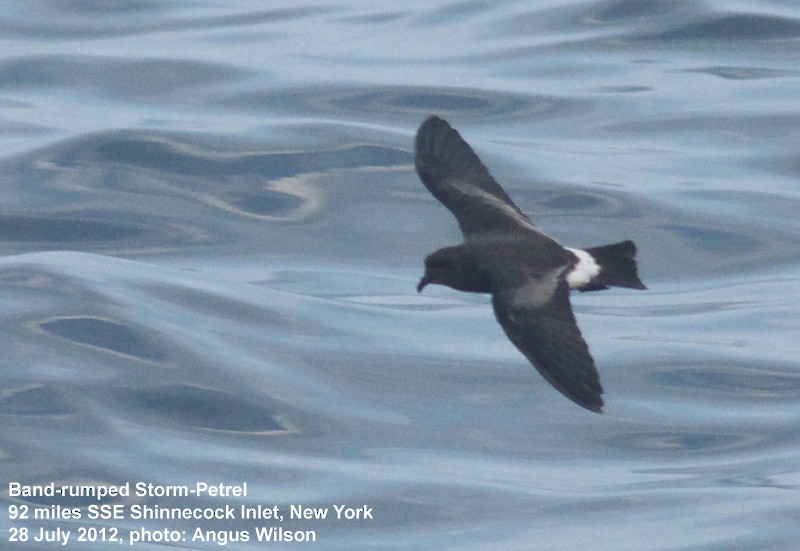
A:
<point x="211" y="232"/>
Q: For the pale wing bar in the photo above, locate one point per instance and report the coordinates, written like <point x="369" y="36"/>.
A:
<point x="455" y="175"/>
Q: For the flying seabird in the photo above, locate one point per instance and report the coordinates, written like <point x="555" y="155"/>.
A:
<point x="528" y="274"/>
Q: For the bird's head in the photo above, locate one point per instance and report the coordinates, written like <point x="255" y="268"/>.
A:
<point x="452" y="266"/>
<point x="439" y="268"/>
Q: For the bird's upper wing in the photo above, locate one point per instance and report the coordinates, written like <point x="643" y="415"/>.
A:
<point x="455" y="175"/>
<point x="537" y="317"/>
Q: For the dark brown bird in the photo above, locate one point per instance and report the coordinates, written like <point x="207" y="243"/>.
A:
<point x="528" y="274"/>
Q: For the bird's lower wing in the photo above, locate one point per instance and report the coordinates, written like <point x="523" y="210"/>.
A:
<point x="545" y="331"/>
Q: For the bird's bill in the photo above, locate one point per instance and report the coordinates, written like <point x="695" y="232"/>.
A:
<point x="423" y="282"/>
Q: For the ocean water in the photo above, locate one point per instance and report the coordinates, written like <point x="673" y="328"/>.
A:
<point x="211" y="232"/>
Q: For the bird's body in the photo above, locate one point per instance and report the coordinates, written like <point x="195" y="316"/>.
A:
<point x="528" y="274"/>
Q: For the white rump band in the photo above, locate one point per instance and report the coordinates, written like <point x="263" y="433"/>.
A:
<point x="584" y="271"/>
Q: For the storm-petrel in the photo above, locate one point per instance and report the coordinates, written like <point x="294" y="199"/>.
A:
<point x="528" y="274"/>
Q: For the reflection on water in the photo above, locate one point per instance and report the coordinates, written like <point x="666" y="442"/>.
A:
<point x="211" y="232"/>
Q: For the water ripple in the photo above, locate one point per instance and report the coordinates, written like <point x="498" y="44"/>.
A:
<point x="403" y="102"/>
<point x="192" y="406"/>
<point x="104" y="334"/>
<point x="118" y="78"/>
<point x="735" y="26"/>
<point x="44" y="400"/>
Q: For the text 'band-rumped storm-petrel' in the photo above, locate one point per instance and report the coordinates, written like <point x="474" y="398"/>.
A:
<point x="528" y="274"/>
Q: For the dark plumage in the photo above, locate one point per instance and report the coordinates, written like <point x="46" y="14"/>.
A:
<point x="528" y="274"/>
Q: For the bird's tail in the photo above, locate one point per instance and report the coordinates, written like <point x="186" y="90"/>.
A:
<point x="617" y="267"/>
